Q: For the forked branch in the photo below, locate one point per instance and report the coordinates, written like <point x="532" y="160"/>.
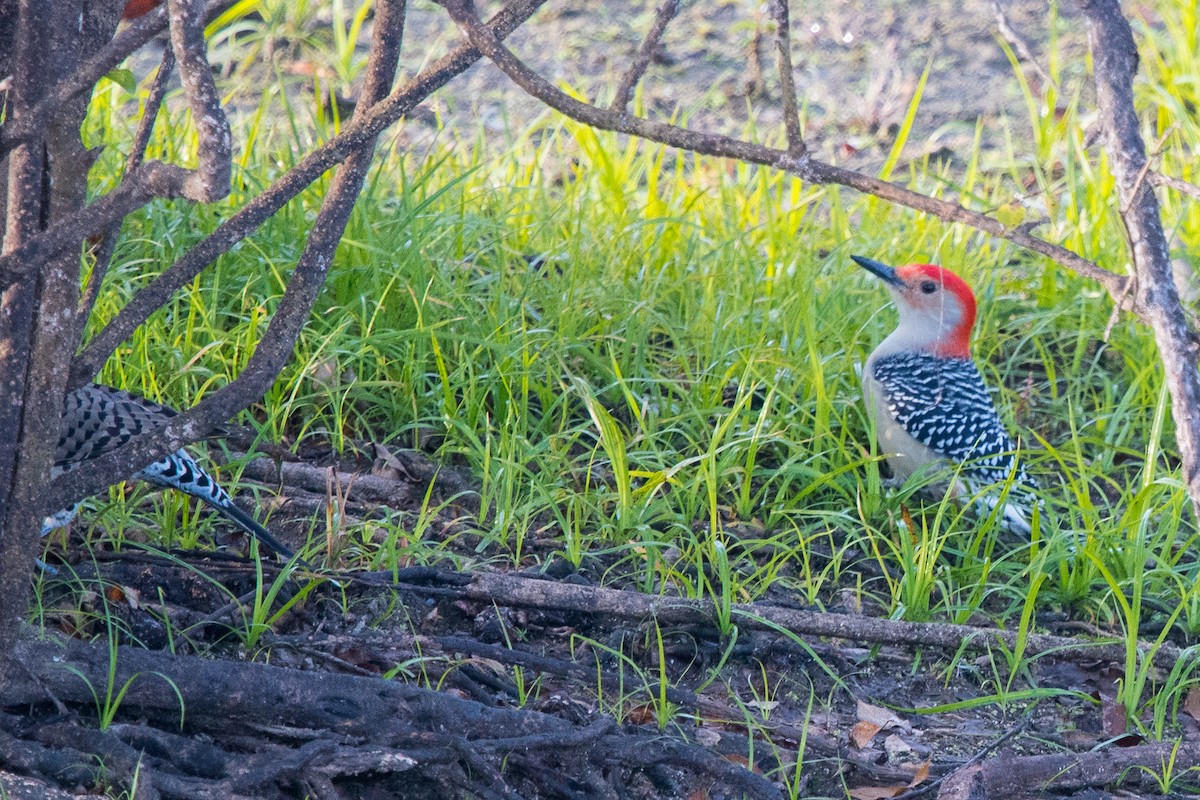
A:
<point x="787" y="81"/>
<point x="1175" y="184"/>
<point x="641" y="61"/>
<point x="293" y="311"/>
<point x="805" y="167"/>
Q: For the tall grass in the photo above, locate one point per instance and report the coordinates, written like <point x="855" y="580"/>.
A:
<point x="654" y="356"/>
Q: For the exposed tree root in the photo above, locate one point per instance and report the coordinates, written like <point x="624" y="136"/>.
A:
<point x="312" y="729"/>
<point x="1009" y="777"/>
<point x="253" y="730"/>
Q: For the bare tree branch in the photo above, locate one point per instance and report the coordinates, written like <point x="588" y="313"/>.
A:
<point x="154" y="100"/>
<point x="103" y="252"/>
<point x="1181" y="186"/>
<point x="805" y="167"/>
<point x="311" y="167"/>
<point x="210" y="182"/>
<point x="1018" y="44"/>
<point x="787" y="82"/>
<point x="1114" y="52"/>
<point x="666" y="12"/>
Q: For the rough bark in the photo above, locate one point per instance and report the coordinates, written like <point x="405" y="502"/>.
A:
<point x="1115" y="56"/>
<point x="26" y="461"/>
<point x="312" y="724"/>
<point x="39" y="264"/>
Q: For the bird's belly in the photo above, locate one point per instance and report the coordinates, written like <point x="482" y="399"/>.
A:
<point x="904" y="454"/>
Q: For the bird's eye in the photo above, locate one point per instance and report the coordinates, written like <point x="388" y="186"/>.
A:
<point x="928" y="287"/>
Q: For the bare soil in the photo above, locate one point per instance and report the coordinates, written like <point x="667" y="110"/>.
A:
<point x="858" y="63"/>
<point x="425" y="626"/>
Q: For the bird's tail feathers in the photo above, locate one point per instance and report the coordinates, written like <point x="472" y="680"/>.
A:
<point x="251" y="526"/>
<point x="1013" y="516"/>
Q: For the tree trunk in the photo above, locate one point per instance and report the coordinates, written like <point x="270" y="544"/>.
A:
<point x="47" y="180"/>
<point x="1115" y="55"/>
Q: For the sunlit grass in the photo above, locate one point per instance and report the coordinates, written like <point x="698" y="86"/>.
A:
<point x="653" y="357"/>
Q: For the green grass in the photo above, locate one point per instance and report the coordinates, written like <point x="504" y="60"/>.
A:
<point x="674" y="387"/>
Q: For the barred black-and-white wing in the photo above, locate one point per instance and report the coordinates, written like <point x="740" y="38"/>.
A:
<point x="943" y="404"/>
<point x="99" y="419"/>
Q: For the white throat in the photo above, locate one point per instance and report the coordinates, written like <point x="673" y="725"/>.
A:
<point x="920" y="330"/>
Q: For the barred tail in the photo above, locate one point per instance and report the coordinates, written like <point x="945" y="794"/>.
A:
<point x="251" y="526"/>
<point x="180" y="471"/>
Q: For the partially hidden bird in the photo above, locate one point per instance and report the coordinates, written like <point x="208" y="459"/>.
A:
<point x="928" y="400"/>
<point x="98" y="419"/>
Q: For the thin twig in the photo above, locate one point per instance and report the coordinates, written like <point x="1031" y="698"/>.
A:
<point x="666" y="12"/>
<point x="1137" y="185"/>
<point x="154" y="99"/>
<point x="1018" y="44"/>
<point x="1181" y="186"/>
<point x="787" y="82"/>
<point x="926" y="788"/>
<point x="1118" y="304"/>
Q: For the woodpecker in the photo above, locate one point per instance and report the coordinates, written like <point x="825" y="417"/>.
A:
<point x="927" y="398"/>
<point x="98" y="419"/>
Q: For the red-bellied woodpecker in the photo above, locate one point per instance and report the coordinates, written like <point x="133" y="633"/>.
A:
<point x="98" y="419"/>
<point x="926" y="395"/>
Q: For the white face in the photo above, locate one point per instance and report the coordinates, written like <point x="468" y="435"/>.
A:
<point x="925" y="303"/>
<point x="937" y="309"/>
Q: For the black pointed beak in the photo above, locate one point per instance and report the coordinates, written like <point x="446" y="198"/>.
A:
<point x="879" y="269"/>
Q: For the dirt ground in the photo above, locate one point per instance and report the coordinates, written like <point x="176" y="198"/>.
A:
<point x="847" y="703"/>
<point x="857" y="62"/>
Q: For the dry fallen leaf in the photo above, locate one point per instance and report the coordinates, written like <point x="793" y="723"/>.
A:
<point x="642" y="714"/>
<point x="1191" y="704"/>
<point x="872" y="720"/>
<point x="862" y="733"/>
<point x="883" y="717"/>
<point x="1113" y="719"/>
<point x="387" y="465"/>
